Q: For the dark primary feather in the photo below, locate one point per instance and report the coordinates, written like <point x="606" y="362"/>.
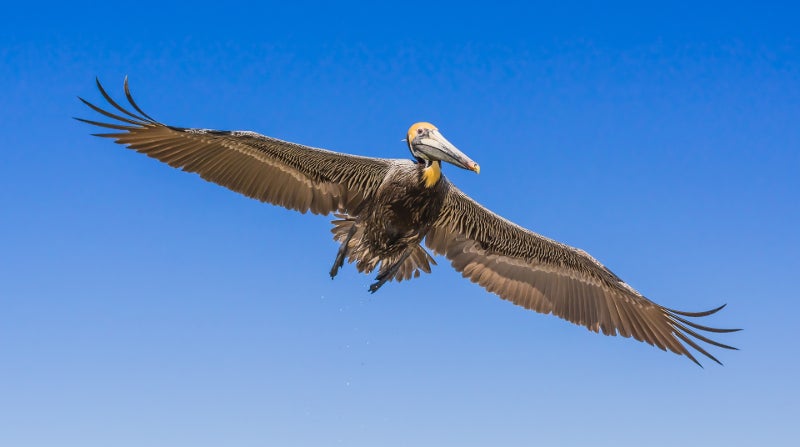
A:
<point x="549" y="277"/>
<point x="287" y="174"/>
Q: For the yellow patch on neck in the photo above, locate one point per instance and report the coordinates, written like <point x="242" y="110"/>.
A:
<point x="432" y="173"/>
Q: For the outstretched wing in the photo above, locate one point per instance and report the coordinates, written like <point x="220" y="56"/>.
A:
<point x="287" y="174"/>
<point x="549" y="277"/>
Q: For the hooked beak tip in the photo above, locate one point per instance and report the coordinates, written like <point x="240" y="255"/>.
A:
<point x="474" y="167"/>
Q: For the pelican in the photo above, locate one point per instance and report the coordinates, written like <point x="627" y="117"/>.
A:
<point x="386" y="208"/>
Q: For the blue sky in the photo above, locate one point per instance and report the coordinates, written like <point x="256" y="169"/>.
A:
<point x="140" y="305"/>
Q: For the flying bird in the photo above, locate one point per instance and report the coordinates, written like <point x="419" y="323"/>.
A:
<point x="386" y="208"/>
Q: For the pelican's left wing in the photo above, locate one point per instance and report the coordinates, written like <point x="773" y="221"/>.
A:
<point x="279" y="172"/>
<point x="541" y="274"/>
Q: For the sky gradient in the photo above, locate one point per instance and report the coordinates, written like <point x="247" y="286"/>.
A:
<point x="143" y="306"/>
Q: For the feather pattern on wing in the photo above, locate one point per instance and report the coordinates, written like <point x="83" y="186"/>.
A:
<point x="544" y="275"/>
<point x="279" y="172"/>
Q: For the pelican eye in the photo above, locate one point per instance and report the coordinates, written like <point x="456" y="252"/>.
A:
<point x="419" y="131"/>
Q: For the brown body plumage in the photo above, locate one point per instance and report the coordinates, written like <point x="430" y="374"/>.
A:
<point x="386" y="208"/>
<point x="389" y="228"/>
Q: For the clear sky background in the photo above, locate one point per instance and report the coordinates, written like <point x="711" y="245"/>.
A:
<point x="142" y="306"/>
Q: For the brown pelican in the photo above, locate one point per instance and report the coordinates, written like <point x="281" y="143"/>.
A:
<point x="385" y="208"/>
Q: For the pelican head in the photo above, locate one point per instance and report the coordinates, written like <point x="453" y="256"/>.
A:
<point x="428" y="145"/>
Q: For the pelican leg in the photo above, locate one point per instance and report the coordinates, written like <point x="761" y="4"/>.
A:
<point x="387" y="274"/>
<point x="340" y="255"/>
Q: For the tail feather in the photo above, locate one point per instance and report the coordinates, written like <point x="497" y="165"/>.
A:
<point x="366" y="261"/>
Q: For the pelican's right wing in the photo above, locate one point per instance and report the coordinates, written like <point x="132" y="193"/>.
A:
<point x="544" y="275"/>
<point x="279" y="172"/>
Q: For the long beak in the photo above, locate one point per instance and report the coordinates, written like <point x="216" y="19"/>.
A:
<point x="436" y="147"/>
